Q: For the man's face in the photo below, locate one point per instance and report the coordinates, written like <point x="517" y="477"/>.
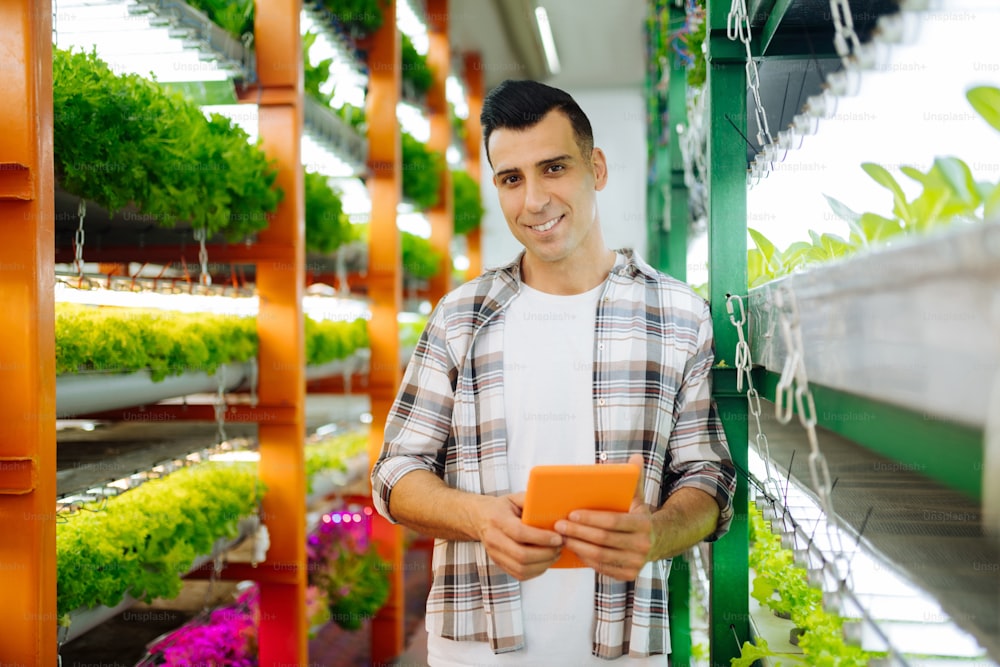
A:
<point x="548" y="190"/>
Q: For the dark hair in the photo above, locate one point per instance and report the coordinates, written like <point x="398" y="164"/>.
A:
<point x="518" y="105"/>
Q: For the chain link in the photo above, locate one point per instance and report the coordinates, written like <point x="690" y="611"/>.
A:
<point x="79" y="238"/>
<point x="738" y="28"/>
<point x="199" y="235"/>
<point x="845" y="39"/>
<point x="744" y="366"/>
<point x="794" y="374"/>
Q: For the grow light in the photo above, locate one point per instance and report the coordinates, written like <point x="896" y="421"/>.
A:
<point x="346" y="81"/>
<point x="71" y="502"/>
<point x="133" y="39"/>
<point x="455" y="93"/>
<point x="413" y="121"/>
<point x="324" y="308"/>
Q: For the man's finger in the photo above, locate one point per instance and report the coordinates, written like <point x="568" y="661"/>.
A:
<point x="639" y="498"/>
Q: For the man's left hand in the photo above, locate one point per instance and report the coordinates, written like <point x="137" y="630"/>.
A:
<point x="613" y="543"/>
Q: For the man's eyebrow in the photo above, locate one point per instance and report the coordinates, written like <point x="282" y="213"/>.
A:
<point x="541" y="163"/>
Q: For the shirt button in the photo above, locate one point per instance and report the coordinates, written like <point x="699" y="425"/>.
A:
<point x="600" y="401"/>
<point x="600" y="346"/>
<point x="603" y="456"/>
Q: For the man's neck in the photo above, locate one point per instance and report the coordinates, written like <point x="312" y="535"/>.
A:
<point x="568" y="277"/>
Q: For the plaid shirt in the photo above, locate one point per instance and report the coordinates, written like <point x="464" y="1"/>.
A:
<point x="652" y="394"/>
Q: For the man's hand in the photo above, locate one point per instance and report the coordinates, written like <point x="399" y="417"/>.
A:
<point x="613" y="543"/>
<point x="619" y="544"/>
<point x="522" y="551"/>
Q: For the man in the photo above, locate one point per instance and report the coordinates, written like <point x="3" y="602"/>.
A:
<point x="573" y="353"/>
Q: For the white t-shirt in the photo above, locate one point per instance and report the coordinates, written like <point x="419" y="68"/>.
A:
<point x="548" y="400"/>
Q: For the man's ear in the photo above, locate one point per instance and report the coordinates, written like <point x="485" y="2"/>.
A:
<point x="599" y="165"/>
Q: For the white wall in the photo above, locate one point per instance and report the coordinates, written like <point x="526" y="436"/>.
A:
<point x="618" y="117"/>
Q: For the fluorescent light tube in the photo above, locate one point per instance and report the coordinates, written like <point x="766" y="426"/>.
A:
<point x="548" y="43"/>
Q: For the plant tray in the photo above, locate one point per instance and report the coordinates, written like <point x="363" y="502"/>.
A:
<point x="914" y="325"/>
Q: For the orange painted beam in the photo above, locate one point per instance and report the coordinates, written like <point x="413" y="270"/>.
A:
<point x="442" y="215"/>
<point x="283" y="634"/>
<point x="474" y="92"/>
<point x="385" y="291"/>
<point x="27" y="337"/>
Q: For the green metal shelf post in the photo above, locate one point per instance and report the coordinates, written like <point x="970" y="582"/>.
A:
<point x="727" y="210"/>
<point x="679" y="219"/>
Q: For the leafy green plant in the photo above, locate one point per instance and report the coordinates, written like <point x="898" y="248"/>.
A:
<point x="356" y="18"/>
<point x="355" y="116"/>
<point x="328" y="340"/>
<point x="422" y="169"/>
<point x="416" y="74"/>
<point x="124" y="140"/>
<point x="410" y="332"/>
<point x="144" y="540"/>
<point x="314" y="74"/>
<point x="420" y="259"/>
<point x="347" y="567"/>
<point x="333" y="453"/>
<point x="165" y="342"/>
<point x="124" y="340"/>
<point x="697" y="71"/>
<point x="233" y="16"/>
<point x="949" y="193"/>
<point x="327" y="226"/>
<point x="783" y="587"/>
<point x="468" y="204"/>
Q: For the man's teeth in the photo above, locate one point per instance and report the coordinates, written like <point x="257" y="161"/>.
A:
<point x="547" y="226"/>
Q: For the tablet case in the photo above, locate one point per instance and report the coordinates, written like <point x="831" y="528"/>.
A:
<point x="556" y="490"/>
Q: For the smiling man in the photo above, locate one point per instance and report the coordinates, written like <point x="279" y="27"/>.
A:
<point x="571" y="354"/>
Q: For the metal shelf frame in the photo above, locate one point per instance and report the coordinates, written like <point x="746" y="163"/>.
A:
<point x="939" y="427"/>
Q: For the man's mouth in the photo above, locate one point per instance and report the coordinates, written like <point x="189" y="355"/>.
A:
<point x="546" y="226"/>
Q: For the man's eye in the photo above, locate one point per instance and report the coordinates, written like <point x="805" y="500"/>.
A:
<point x="556" y="167"/>
<point x="510" y="180"/>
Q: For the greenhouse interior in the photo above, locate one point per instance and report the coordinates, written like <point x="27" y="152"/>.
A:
<point x="198" y="376"/>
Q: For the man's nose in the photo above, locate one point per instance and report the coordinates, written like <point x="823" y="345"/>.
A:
<point x="536" y="195"/>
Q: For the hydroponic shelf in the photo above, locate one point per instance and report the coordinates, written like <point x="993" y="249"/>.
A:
<point x="911" y="324"/>
<point x="87" y="393"/>
<point x="908" y="526"/>
<point x="85" y="620"/>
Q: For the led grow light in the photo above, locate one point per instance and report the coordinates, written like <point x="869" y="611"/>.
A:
<point x="134" y="40"/>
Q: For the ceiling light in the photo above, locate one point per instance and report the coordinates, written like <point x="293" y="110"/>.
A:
<point x="548" y="43"/>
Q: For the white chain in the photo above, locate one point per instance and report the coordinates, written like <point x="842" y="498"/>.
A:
<point x="80" y="238"/>
<point x="199" y="235"/>
<point x="845" y="40"/>
<point x="744" y="364"/>
<point x="794" y="373"/>
<point x="738" y="27"/>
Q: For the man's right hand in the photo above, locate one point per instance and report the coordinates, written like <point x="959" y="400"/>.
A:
<point x="422" y="501"/>
<point x="522" y="551"/>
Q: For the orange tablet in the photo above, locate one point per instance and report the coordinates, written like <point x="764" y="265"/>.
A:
<point x="555" y="491"/>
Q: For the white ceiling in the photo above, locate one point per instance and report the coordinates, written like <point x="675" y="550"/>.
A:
<point x="600" y="42"/>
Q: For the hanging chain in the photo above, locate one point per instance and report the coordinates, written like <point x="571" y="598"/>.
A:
<point x="845" y="40"/>
<point x="738" y="28"/>
<point x="199" y="235"/>
<point x="794" y="373"/>
<point x="744" y="364"/>
<point x="220" y="405"/>
<point x="254" y="374"/>
<point x="80" y="238"/>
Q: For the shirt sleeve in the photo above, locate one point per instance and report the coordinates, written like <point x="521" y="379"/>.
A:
<point x="700" y="456"/>
<point x="418" y="428"/>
